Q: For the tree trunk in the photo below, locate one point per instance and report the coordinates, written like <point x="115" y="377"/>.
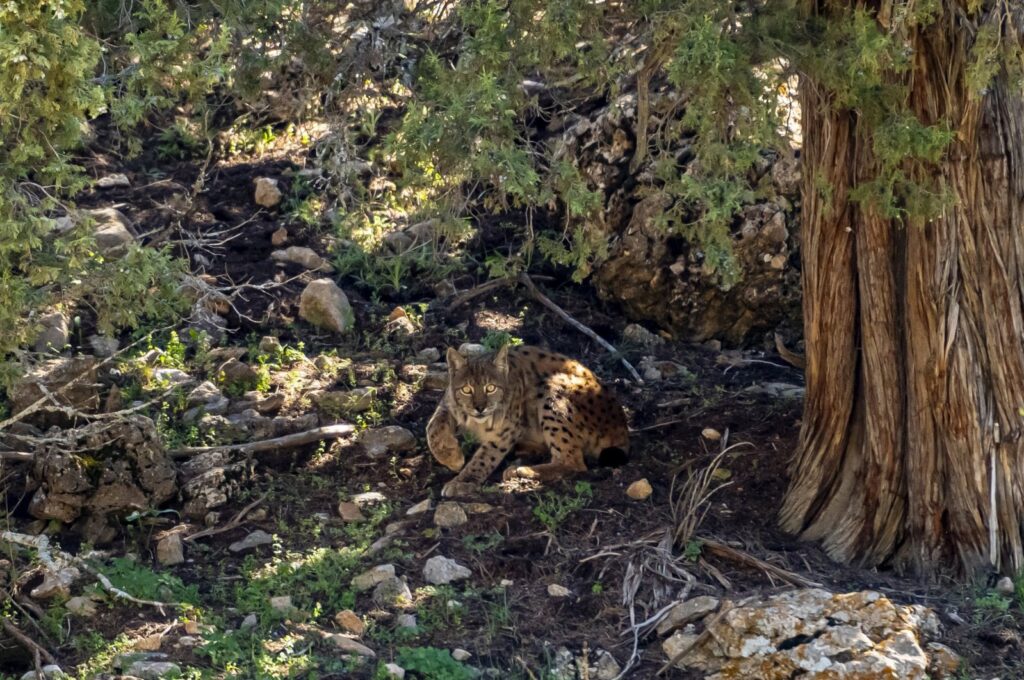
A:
<point x="911" y="450"/>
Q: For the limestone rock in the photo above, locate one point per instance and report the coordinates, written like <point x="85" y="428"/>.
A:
<point x="370" y="578"/>
<point x="389" y="439"/>
<point x="118" y="179"/>
<point x="687" y="612"/>
<point x="326" y="306"/>
<point x="351" y="646"/>
<point x="441" y="570"/>
<point x="558" y="591"/>
<point x="170" y="550"/>
<point x="450" y="515"/>
<point x="304" y="257"/>
<point x="253" y="540"/>
<point x="392" y="591"/>
<point x="153" y="670"/>
<point x="394" y="672"/>
<point x="81" y="605"/>
<point x="113" y="231"/>
<point x="461" y="655"/>
<point x="282" y="604"/>
<point x="420" y="508"/>
<point x="267" y="192"/>
<point x="350" y="512"/>
<point x="54" y="333"/>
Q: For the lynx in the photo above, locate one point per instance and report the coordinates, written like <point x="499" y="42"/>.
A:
<point x="528" y="400"/>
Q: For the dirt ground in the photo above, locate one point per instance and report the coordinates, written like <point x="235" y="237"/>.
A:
<point x="505" y="618"/>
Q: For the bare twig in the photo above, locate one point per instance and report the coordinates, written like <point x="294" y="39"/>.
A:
<point x="700" y="639"/>
<point x="475" y="292"/>
<point x="36" y="649"/>
<point x="528" y="283"/>
<point x="730" y="553"/>
<point x="287" y="441"/>
<point x="234" y="522"/>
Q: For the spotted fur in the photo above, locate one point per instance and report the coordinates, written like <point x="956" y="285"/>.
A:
<point x="528" y="400"/>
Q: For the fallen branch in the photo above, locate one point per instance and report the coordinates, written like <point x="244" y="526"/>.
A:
<point x="792" y="357"/>
<point x="526" y="281"/>
<point x="36" y="649"/>
<point x="234" y="522"/>
<point x="730" y="553"/>
<point x="285" y="442"/>
<point x="17" y="456"/>
<point x="700" y="639"/>
<point x="475" y="292"/>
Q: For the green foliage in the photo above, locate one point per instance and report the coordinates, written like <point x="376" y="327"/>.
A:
<point x="432" y="663"/>
<point x="495" y="340"/>
<point x="144" y="583"/>
<point x="553" y="508"/>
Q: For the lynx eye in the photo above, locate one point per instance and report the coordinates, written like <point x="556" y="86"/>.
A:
<point x="490" y="389"/>
<point x="466" y="389"/>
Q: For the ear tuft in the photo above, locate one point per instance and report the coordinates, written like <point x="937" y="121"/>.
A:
<point x="455" y="360"/>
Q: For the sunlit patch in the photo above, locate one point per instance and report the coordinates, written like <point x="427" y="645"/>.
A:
<point x="491" y="320"/>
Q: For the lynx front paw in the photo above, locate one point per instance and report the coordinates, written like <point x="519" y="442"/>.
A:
<point x="518" y="472"/>
<point x="455" y="488"/>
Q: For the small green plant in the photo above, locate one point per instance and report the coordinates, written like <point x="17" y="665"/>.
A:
<point x="597" y="588"/>
<point x="693" y="550"/>
<point x="144" y="583"/>
<point x="553" y="508"/>
<point x="433" y="663"/>
<point x="481" y="543"/>
<point x="495" y="340"/>
<point x="990" y="606"/>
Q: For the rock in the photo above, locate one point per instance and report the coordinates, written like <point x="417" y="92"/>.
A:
<point x="82" y="606"/>
<point x="711" y="434"/>
<point x="477" y="508"/>
<point x="104" y="346"/>
<point x="449" y="515"/>
<point x="471" y="349"/>
<point x="397" y="241"/>
<point x="153" y="670"/>
<point x="369" y="498"/>
<point x="203" y="394"/>
<point x="641" y="336"/>
<point x="369" y="579"/>
<point x="113" y="232"/>
<point x="392" y="671"/>
<point x="304" y="257"/>
<point x="392" y="591"/>
<point x="607" y="667"/>
<point x="279" y="237"/>
<point x="389" y="439"/>
<point x="441" y="570"/>
<point x="787" y="176"/>
<point x="357" y="400"/>
<point x="558" y="590"/>
<point x="639" y="490"/>
<point x="150" y="643"/>
<point x="50" y="672"/>
<point x="326" y="306"/>
<point x="54" y="375"/>
<point x="54" y="333"/>
<point x="401" y="327"/>
<point x="436" y="379"/>
<point x="171" y="376"/>
<point x="811" y="632"/>
<point x="170" y="550"/>
<point x="351" y="646"/>
<point x="350" y="512"/>
<point x="429" y="355"/>
<point x="282" y="604"/>
<point x="1004" y="586"/>
<point x="460" y="655"/>
<point x="687" y="612"/>
<point x="235" y="372"/>
<point x="269" y="345"/>
<point x="420" y="508"/>
<point x="349" y="622"/>
<point x="118" y="179"/>
<point x="406" y="621"/>
<point x="249" y="622"/>
<point x="253" y="540"/>
<point x="943" y="662"/>
<point x="267" y="192"/>
<point x="445" y="289"/>
<point x="397" y="527"/>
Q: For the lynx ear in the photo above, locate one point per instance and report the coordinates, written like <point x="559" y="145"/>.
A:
<point x="501" y="359"/>
<point x="456" y="362"/>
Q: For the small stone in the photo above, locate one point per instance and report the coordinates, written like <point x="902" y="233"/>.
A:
<point x="407" y="621"/>
<point x="384" y="440"/>
<point x="506" y="583"/>
<point x="639" y="490"/>
<point x="192" y="627"/>
<point x="187" y="642"/>
<point x="279" y="237"/>
<point x="153" y="670"/>
<point x="394" y="672"/>
<point x="170" y="550"/>
<point x="471" y="349"/>
<point x="282" y="604"/>
<point x="652" y="373"/>
<point x="607" y="667"/>
<point x="369" y="498"/>
<point x="104" y="346"/>
<point x="171" y="376"/>
<point x="429" y="355"/>
<point x="392" y="591"/>
<point x="351" y="646"/>
<point x="269" y="344"/>
<point x="253" y="540"/>
<point x="113" y="232"/>
<point x="268" y="194"/>
<point x="118" y="179"/>
<point x="461" y="654"/>
<point x="304" y="257"/>
<point x="56" y="584"/>
<point x="50" y="672"/>
<point x="350" y="622"/>
<point x="441" y="570"/>
<point x="350" y="512"/>
<point x="711" y="434"/>
<point x="943" y="662"/>
<point x="641" y="336"/>
<point x="1004" y="586"/>
<point x="150" y="643"/>
<point x="420" y="508"/>
<point x="687" y="612"/>
<point x="81" y="606"/>
<point x="558" y="590"/>
<point x="675" y="644"/>
<point x="357" y="400"/>
<point x="235" y="372"/>
<point x="449" y="515"/>
<point x="478" y="508"/>
<point x="54" y="333"/>
<point x="326" y="306"/>
<point x="249" y="622"/>
<point x="370" y="578"/>
<point x="778" y="262"/>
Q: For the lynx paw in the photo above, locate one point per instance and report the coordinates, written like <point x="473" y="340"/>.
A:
<point x="518" y="472"/>
<point x="456" y="488"/>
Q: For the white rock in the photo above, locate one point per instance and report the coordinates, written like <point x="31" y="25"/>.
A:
<point x="282" y="604"/>
<point x="326" y="306"/>
<point x="420" y="508"/>
<point x="368" y="498"/>
<point x="249" y="622"/>
<point x="394" y="671"/>
<point x="81" y="606"/>
<point x="460" y="654"/>
<point x="392" y="591"/>
<point x="304" y="257"/>
<point x="54" y="333"/>
<point x="370" y="578"/>
<point x="50" y="672"/>
<point x="267" y="194"/>
<point x="381" y="441"/>
<point x="118" y="179"/>
<point x="407" y="621"/>
<point x="558" y="590"/>
<point x="170" y="550"/>
<point x="253" y="540"/>
<point x="687" y="612"/>
<point x="607" y="667"/>
<point x="429" y="355"/>
<point x="1004" y="586"/>
<point x="153" y="670"/>
<point x="441" y="570"/>
<point x="351" y="646"/>
<point x="711" y="434"/>
<point x="472" y="349"/>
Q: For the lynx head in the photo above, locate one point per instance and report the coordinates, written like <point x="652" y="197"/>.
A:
<point x="478" y="385"/>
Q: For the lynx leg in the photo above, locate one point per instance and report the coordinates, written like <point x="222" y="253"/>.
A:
<point x="442" y="442"/>
<point x="558" y="424"/>
<point x="486" y="459"/>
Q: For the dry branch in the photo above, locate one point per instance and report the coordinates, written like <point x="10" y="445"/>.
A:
<point x="287" y="441"/>
<point x="730" y="553"/>
<point x="792" y="357"/>
<point x="36" y="649"/>
<point x="234" y="522"/>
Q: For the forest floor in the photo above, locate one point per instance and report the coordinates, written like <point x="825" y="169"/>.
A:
<point x="582" y="534"/>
